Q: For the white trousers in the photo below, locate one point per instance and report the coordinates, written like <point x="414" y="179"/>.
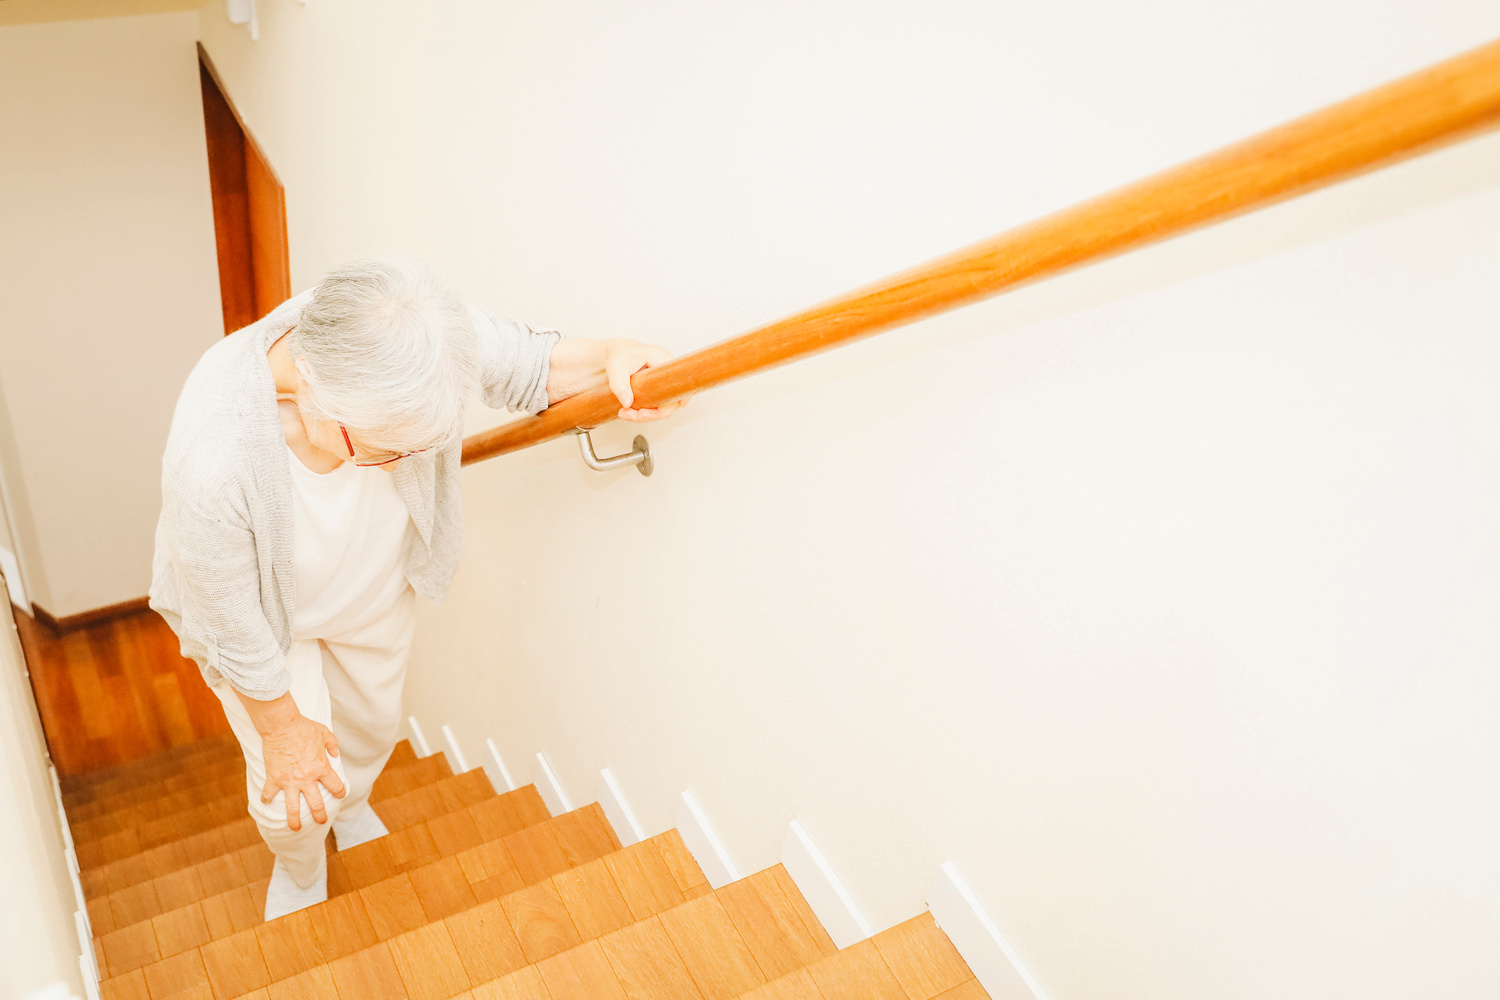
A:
<point x="351" y="683"/>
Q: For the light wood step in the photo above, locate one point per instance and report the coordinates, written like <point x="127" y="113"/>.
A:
<point x="178" y="754"/>
<point x="231" y="877"/>
<point x="112" y="814"/>
<point x="478" y="900"/>
<point x="716" y="944"/>
<point x="434" y="887"/>
<point x="911" y="961"/>
<point x="240" y="908"/>
<point x="203" y="850"/>
<point x="713" y="944"/>
<point x="187" y="783"/>
<point x="110" y="799"/>
<point x="175" y="878"/>
<point x="226" y="807"/>
<point x="754" y="939"/>
<point x="157" y="768"/>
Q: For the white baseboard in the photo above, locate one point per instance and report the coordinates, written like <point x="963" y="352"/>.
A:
<point x="627" y="828"/>
<point x="994" y="962"/>
<point x="500" y="771"/>
<point x="85" y="934"/>
<point x="418" y="738"/>
<point x="10" y="568"/>
<point x="90" y="986"/>
<point x="704" y="845"/>
<point x="830" y="901"/>
<point x="62" y="812"/>
<point x="81" y="925"/>
<point x="456" y="760"/>
<point x="88" y="964"/>
<point x="550" y="788"/>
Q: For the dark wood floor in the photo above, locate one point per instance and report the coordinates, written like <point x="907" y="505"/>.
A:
<point x="116" y="691"/>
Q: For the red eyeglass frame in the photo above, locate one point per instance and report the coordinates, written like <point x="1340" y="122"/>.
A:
<point x="372" y="465"/>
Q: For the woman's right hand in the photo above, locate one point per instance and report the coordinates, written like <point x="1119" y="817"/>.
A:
<point x="297" y="763"/>
<point x="296" y="751"/>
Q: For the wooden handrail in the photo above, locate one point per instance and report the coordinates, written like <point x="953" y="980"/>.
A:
<point x="1434" y="106"/>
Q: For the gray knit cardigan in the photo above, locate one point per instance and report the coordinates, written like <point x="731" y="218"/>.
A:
<point x="222" y="575"/>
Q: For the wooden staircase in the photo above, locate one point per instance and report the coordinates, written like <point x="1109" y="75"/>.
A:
<point x="472" y="895"/>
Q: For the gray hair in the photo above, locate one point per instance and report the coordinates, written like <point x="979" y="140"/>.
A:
<point x="390" y="351"/>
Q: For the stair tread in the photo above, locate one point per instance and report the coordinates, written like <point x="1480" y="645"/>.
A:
<point x="479" y="897"/>
<point x="912" y="961"/>
<point x="239" y="907"/>
<point x="364" y="917"/>
<point x="146" y="771"/>
<point x="143" y="804"/>
<point x="172" y="780"/>
<point x="229" y="808"/>
<point x="476" y="945"/>
<point x="109" y="815"/>
<point x="647" y="962"/>
<point x="477" y="953"/>
<point x="398" y="811"/>
<point x="251" y="861"/>
<point x="250" y="864"/>
<point x="149" y="773"/>
<point x="207" y="744"/>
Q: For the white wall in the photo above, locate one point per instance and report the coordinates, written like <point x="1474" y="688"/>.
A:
<point x="108" y="287"/>
<point x="37" y="11"/>
<point x="38" y="943"/>
<point x="1159" y="598"/>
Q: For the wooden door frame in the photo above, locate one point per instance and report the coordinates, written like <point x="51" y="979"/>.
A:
<point x="250" y="231"/>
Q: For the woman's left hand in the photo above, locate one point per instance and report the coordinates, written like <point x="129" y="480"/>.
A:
<point x="622" y="359"/>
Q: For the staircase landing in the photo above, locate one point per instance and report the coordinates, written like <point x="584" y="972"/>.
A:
<point x="115" y="691"/>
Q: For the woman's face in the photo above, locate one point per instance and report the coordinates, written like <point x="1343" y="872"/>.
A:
<point x="345" y="443"/>
<point x="348" y="444"/>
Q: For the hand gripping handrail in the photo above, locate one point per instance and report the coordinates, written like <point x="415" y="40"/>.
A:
<point x="1434" y="106"/>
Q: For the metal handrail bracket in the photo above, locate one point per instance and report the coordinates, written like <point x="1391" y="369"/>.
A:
<point x="639" y="456"/>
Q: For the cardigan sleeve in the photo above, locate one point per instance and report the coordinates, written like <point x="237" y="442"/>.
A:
<point x="207" y="583"/>
<point x="514" y="361"/>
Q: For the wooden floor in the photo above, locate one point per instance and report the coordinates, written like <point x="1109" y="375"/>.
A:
<point x="115" y="692"/>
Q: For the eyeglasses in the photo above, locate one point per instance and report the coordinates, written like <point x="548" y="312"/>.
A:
<point x="370" y="465"/>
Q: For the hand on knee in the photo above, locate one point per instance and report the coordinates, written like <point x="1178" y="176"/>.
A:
<point x="298" y="763"/>
<point x="275" y="814"/>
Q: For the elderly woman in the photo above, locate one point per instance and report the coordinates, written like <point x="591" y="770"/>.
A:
<point x="309" y="493"/>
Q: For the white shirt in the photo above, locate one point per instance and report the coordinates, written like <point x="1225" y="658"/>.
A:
<point x="350" y="535"/>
